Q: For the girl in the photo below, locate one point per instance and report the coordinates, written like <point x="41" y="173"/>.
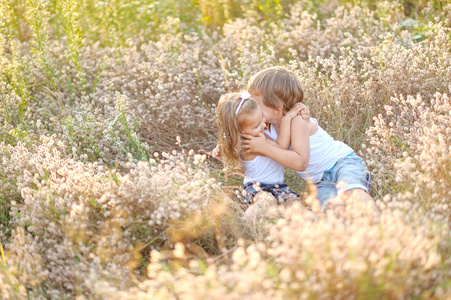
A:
<point x="239" y="113"/>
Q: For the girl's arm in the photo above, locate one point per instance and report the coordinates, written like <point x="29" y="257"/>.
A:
<point x="296" y="159"/>
<point x="283" y="138"/>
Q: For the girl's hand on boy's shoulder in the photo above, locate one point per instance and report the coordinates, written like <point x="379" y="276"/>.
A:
<point x="304" y="111"/>
<point x="299" y="109"/>
<point x="253" y="144"/>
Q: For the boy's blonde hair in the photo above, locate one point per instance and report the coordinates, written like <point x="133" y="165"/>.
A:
<point x="229" y="127"/>
<point x="276" y="85"/>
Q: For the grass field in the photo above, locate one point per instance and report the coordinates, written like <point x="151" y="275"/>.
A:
<point x="107" y="113"/>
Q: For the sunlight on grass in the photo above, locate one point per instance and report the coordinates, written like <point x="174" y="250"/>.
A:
<point x="107" y="120"/>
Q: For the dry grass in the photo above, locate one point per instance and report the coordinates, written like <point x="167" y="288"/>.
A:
<point x="101" y="196"/>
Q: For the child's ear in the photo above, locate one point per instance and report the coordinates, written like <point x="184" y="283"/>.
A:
<point x="279" y="106"/>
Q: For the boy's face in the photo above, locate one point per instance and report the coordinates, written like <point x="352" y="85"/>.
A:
<point x="271" y="114"/>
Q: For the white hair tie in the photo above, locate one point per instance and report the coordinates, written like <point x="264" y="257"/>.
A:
<point x="244" y="96"/>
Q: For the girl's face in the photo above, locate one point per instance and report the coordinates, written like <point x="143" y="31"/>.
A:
<point x="271" y="114"/>
<point x="254" y="123"/>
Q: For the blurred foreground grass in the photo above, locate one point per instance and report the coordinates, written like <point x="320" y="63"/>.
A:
<point x="107" y="109"/>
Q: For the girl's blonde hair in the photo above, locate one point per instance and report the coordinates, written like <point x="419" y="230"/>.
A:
<point x="229" y="127"/>
<point x="275" y="85"/>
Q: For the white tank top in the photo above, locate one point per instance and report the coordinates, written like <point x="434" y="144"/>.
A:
<point x="324" y="152"/>
<point x="263" y="169"/>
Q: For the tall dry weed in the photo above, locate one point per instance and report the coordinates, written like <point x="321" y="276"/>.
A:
<point x="96" y="95"/>
<point x="415" y="135"/>
<point x="389" y="256"/>
<point x="76" y="221"/>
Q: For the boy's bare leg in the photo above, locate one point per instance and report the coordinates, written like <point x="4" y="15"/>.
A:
<point x="309" y="214"/>
<point x="360" y="196"/>
<point x="335" y="205"/>
<point x="262" y="204"/>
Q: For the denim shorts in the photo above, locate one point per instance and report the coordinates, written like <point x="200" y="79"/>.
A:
<point x="348" y="173"/>
<point x="281" y="191"/>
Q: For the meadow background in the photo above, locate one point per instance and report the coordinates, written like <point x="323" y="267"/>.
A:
<point x="107" y="114"/>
